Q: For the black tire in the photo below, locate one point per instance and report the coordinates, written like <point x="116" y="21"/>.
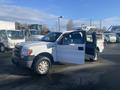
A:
<point x="42" y="65"/>
<point x="2" y="48"/>
<point x="96" y="55"/>
<point x="95" y="58"/>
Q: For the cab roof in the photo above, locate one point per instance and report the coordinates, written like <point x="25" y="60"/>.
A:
<point x="70" y="31"/>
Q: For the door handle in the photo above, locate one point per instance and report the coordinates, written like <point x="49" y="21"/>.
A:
<point x="80" y="48"/>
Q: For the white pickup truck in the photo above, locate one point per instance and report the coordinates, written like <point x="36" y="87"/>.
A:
<point x="9" y="38"/>
<point x="68" y="47"/>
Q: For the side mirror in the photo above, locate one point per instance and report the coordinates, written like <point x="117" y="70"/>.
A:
<point x="60" y="42"/>
<point x="51" y="45"/>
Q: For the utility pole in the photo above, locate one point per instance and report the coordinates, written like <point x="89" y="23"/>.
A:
<point x="100" y="24"/>
<point x="59" y="23"/>
<point x="56" y="25"/>
<point x="90" y="22"/>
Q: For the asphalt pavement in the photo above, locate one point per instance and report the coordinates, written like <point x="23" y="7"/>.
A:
<point x="101" y="75"/>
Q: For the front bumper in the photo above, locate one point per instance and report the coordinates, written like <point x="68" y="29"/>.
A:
<point x="26" y="61"/>
<point x="112" y="40"/>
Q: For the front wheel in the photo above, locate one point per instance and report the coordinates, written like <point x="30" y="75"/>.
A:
<point x="42" y="65"/>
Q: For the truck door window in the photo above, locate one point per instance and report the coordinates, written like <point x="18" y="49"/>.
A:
<point x="72" y="38"/>
<point x="89" y="38"/>
<point x="77" y="38"/>
<point x="51" y="37"/>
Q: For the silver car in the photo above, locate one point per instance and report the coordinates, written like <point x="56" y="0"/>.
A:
<point x="110" y="37"/>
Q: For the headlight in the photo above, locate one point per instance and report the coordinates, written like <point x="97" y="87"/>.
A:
<point x="26" y="52"/>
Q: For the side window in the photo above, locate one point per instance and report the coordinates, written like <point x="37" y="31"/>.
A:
<point x="89" y="38"/>
<point x="66" y="39"/>
<point x="3" y="35"/>
<point x="77" y="38"/>
<point x="72" y="38"/>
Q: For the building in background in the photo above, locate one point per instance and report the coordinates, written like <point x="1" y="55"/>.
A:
<point x="35" y="26"/>
<point x="7" y="25"/>
<point x="21" y="26"/>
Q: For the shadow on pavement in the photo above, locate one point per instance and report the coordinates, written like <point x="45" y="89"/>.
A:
<point x="111" y="57"/>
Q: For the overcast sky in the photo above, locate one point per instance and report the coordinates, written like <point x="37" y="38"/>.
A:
<point x="47" y="11"/>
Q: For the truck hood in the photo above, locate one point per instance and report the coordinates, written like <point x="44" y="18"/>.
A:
<point x="34" y="38"/>
<point x="34" y="43"/>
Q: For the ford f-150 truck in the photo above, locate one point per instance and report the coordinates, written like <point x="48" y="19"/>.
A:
<point x="68" y="47"/>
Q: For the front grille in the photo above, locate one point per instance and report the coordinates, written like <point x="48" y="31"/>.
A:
<point x="17" y="51"/>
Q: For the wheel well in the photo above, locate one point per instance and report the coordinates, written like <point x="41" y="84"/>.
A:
<point x="43" y="54"/>
<point x="2" y="44"/>
<point x="98" y="49"/>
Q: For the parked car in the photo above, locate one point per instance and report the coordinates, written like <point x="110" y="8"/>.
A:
<point x="110" y="37"/>
<point x="118" y="37"/>
<point x="9" y="38"/>
<point x="67" y="47"/>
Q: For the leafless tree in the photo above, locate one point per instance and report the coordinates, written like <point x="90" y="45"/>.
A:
<point x="70" y="25"/>
<point x="45" y="29"/>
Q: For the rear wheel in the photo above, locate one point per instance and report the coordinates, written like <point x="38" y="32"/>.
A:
<point x="96" y="55"/>
<point x="95" y="58"/>
<point x="42" y="65"/>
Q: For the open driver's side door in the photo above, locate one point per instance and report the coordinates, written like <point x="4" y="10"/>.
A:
<point x="71" y="48"/>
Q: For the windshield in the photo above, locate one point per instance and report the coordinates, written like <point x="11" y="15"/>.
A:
<point x="115" y="28"/>
<point x="51" y="37"/>
<point x="109" y="34"/>
<point x="15" y="34"/>
<point x="35" y="32"/>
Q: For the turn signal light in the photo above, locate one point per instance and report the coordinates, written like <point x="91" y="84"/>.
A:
<point x="29" y="51"/>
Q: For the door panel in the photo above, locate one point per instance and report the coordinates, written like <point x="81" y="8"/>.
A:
<point x="72" y="49"/>
<point x="71" y="54"/>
